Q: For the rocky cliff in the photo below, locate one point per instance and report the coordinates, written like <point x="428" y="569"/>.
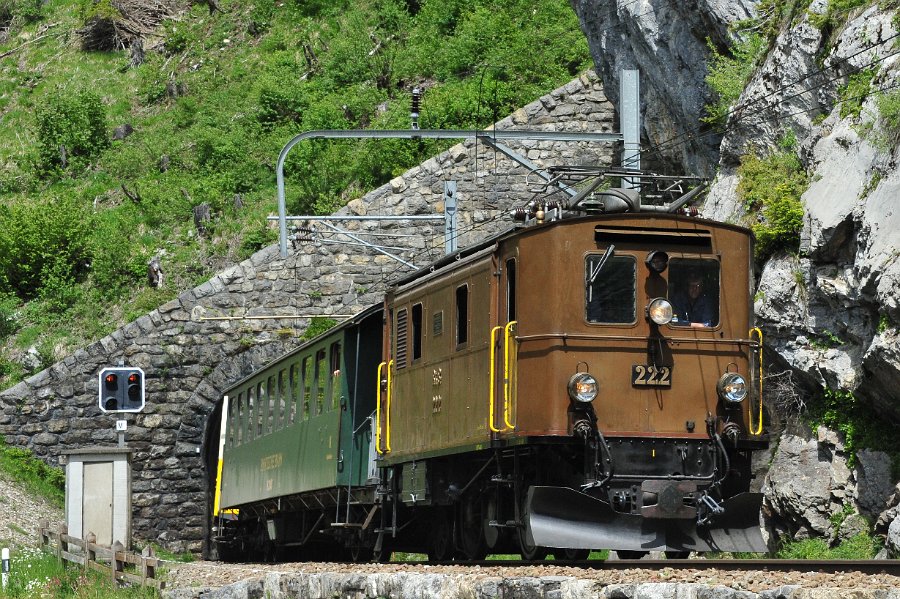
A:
<point x="829" y="310"/>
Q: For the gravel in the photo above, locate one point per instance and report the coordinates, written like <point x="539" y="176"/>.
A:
<point x="20" y="514"/>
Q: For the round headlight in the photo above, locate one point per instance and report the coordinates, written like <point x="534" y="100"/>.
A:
<point x="732" y="387"/>
<point x="583" y="387"/>
<point x="660" y="311"/>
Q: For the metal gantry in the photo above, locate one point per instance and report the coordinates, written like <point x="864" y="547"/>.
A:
<point x="630" y="135"/>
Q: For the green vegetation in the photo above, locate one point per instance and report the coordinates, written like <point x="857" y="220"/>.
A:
<point x="210" y="107"/>
<point x="855" y="91"/>
<point x="836" y="13"/>
<point x="37" y="477"/>
<point x="859" y="423"/>
<point x="728" y="74"/>
<point x="770" y="189"/>
<point x="860" y="547"/>
<point x="34" y="573"/>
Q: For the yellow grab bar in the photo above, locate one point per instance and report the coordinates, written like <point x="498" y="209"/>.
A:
<point x="506" y="386"/>
<point x="759" y="426"/>
<point x="387" y="419"/>
<point x="378" y="409"/>
<point x="491" y="381"/>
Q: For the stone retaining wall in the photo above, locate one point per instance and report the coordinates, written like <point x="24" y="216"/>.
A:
<point x="473" y="586"/>
<point x="188" y="361"/>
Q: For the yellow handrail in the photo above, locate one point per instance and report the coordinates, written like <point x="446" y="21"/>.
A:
<point x="759" y="426"/>
<point x="378" y="409"/>
<point x="491" y="381"/>
<point x="387" y="420"/>
<point x="506" y="373"/>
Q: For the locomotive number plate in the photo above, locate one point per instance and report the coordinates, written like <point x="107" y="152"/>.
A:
<point x="643" y="375"/>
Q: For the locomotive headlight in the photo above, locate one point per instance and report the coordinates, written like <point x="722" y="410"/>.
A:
<point x="732" y="387"/>
<point x="660" y="311"/>
<point x="583" y="387"/>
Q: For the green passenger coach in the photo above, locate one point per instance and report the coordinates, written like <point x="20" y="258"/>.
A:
<point x="300" y="432"/>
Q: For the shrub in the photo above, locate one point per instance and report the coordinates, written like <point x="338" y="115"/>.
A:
<point x="71" y="130"/>
<point x="9" y="305"/>
<point x="47" y="241"/>
<point x="858" y="422"/>
<point x="23" y="11"/>
<point x="854" y="93"/>
<point x="727" y="75"/>
<point x="835" y="14"/>
<point x="889" y="111"/>
<point x="772" y="187"/>
<point x="22" y="466"/>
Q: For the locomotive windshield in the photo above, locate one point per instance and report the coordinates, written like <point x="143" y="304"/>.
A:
<point x="610" y="289"/>
<point x="694" y="292"/>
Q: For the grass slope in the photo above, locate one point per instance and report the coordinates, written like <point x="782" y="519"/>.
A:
<point x="217" y="96"/>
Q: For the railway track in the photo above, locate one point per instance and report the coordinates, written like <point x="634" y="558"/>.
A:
<point x="732" y="565"/>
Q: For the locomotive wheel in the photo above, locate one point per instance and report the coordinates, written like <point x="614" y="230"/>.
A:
<point x="529" y="551"/>
<point x="572" y="555"/>
<point x="677" y="554"/>
<point x="471" y="535"/>
<point x="442" y="537"/>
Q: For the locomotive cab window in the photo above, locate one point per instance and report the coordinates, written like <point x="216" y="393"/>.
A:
<point x="610" y="289"/>
<point x="694" y="292"/>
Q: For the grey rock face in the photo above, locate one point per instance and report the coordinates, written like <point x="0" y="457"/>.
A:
<point x="666" y="41"/>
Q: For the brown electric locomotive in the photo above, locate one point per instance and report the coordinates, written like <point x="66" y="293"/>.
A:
<point x="575" y="384"/>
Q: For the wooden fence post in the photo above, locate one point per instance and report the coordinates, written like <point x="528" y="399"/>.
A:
<point x="90" y="549"/>
<point x="61" y="546"/>
<point x="147" y="571"/>
<point x="117" y="564"/>
<point x="43" y="532"/>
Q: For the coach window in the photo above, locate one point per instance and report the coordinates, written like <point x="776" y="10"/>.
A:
<point x="248" y="422"/>
<point x="610" y="289"/>
<point x="402" y="352"/>
<point x="321" y="380"/>
<point x="335" y="374"/>
<point x="416" y="332"/>
<point x="307" y="385"/>
<point x="694" y="292"/>
<point x="462" y="316"/>
<point x="272" y="397"/>
<point x="232" y="431"/>
<point x="294" y="380"/>
<point x="262" y="408"/>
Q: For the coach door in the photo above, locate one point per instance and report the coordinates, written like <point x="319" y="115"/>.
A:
<point x="504" y="349"/>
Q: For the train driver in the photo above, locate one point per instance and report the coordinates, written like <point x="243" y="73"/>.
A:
<point x="692" y="305"/>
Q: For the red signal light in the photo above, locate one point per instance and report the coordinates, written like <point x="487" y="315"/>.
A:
<point x="111" y="379"/>
<point x="133" y="378"/>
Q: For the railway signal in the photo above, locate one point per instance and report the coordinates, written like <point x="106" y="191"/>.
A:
<point x="121" y="389"/>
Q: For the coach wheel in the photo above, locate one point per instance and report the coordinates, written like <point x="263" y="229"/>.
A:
<point x="359" y="552"/>
<point x="677" y="554"/>
<point x="572" y="555"/>
<point x="627" y="554"/>
<point x="471" y="537"/>
<point x="441" y="549"/>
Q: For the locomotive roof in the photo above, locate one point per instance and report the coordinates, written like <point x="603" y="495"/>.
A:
<point x="521" y="229"/>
